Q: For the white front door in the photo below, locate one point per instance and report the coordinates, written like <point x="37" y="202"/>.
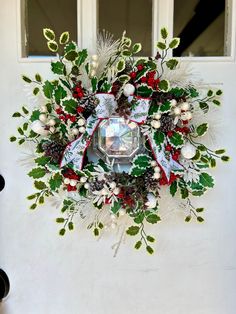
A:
<point x="194" y="268"/>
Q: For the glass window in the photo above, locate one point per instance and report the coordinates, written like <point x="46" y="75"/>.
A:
<point x="134" y="16"/>
<point x="59" y="15"/>
<point x="201" y="26"/>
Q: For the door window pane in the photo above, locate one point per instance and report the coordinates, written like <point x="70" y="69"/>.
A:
<point x="201" y="26"/>
<point x="134" y="16"/>
<point x="59" y="15"/>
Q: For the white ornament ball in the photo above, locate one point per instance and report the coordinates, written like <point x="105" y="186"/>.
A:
<point x="43" y="108"/>
<point x="157" y="116"/>
<point x="152" y="201"/>
<point x="39" y="128"/>
<point x="67" y="181"/>
<point x="156" y="175"/>
<point x="95" y="57"/>
<point x="82" y="129"/>
<point x="116" y="191"/>
<point x="188" y="151"/>
<point x="128" y="90"/>
<point x="153" y="163"/>
<point x="51" y="122"/>
<point x="86" y="186"/>
<point x="43" y="117"/>
<point x="73" y="182"/>
<point x="122" y="212"/>
<point x="156" y="124"/>
<point x="112" y="185"/>
<point x="94" y="64"/>
<point x="83" y="179"/>
<point x="185" y="106"/>
<point x="173" y="102"/>
<point x="75" y="131"/>
<point x="177" y="111"/>
<point x="81" y="122"/>
<point x="157" y="169"/>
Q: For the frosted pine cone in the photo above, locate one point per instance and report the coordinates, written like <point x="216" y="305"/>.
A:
<point x="167" y="123"/>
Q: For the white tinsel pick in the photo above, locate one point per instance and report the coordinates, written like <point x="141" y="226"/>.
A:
<point x="106" y="50"/>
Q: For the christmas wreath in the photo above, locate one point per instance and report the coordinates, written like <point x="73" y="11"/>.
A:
<point x="112" y="129"/>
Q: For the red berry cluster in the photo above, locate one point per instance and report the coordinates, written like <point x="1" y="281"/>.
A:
<point x="164" y="181"/>
<point x="70" y="174"/>
<point x="78" y="91"/>
<point x="150" y="80"/>
<point x="64" y="116"/>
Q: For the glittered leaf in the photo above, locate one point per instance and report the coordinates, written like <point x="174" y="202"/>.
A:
<point x="52" y="46"/>
<point x="70" y="106"/>
<point x="40" y="185"/>
<point x="55" y="182"/>
<point x="172" y="64"/>
<point x="173" y="188"/>
<point x="142" y="161"/>
<point x="176" y="139"/>
<point x="48" y="89"/>
<point x="202" y="129"/>
<point x="37" y="173"/>
<point x="57" y="67"/>
<point x="71" y="55"/>
<point x="133" y="230"/>
<point x="153" y="218"/>
<point x="206" y="180"/>
<point x="159" y="137"/>
<point x="48" y="34"/>
<point x="60" y="94"/>
<point x="82" y="56"/>
<point x="165" y="107"/>
<point x="161" y="45"/>
<point x="136" y="48"/>
<point x="174" y="43"/>
<point x="115" y="207"/>
<point x="64" y="38"/>
<point x="164" y="86"/>
<point x="164" y="33"/>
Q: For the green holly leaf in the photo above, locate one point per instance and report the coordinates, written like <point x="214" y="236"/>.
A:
<point x="115" y="207"/>
<point x="40" y="185"/>
<point x="42" y="161"/>
<point x="70" y="46"/>
<point x="120" y="66"/>
<point x="55" y="182"/>
<point x="36" y="91"/>
<point x="82" y="56"/>
<point x="139" y="218"/>
<point x="176" y="139"/>
<point x="184" y="193"/>
<point x="38" y="77"/>
<point x="52" y="46"/>
<point x="138" y="245"/>
<point x="16" y="115"/>
<point x="202" y="129"/>
<point x="64" y="38"/>
<point x="153" y="218"/>
<point x="161" y="45"/>
<point x="12" y="139"/>
<point x="142" y="161"/>
<point x="60" y="94"/>
<point x="136" y="171"/>
<point x="133" y="230"/>
<point x="35" y="115"/>
<point x="164" y="86"/>
<point x="124" y="78"/>
<point x="159" y="137"/>
<point x="172" y="64"/>
<point x="216" y="102"/>
<point x="144" y="91"/>
<point x="71" y="55"/>
<point x="220" y="151"/>
<point x="94" y="82"/>
<point x="126" y="53"/>
<point x="164" y="33"/>
<point x="174" y="43"/>
<point x="26" y="79"/>
<point x="204" y="106"/>
<point x="62" y="232"/>
<point x="149" y="249"/>
<point x="70" y="106"/>
<point x="150" y="239"/>
<point x="206" y="180"/>
<point x="173" y="188"/>
<point x="48" y="89"/>
<point x="57" y="67"/>
<point x="37" y="173"/>
<point x="165" y="107"/>
<point x="136" y="48"/>
<point x="48" y="34"/>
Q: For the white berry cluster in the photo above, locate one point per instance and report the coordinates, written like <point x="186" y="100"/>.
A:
<point x="181" y="111"/>
<point x="156" y="169"/>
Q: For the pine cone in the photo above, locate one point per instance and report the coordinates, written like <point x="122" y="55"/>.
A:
<point x="96" y="185"/>
<point x="53" y="150"/>
<point x="167" y="123"/>
<point x="151" y="184"/>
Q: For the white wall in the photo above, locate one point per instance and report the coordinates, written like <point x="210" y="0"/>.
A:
<point x="193" y="270"/>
